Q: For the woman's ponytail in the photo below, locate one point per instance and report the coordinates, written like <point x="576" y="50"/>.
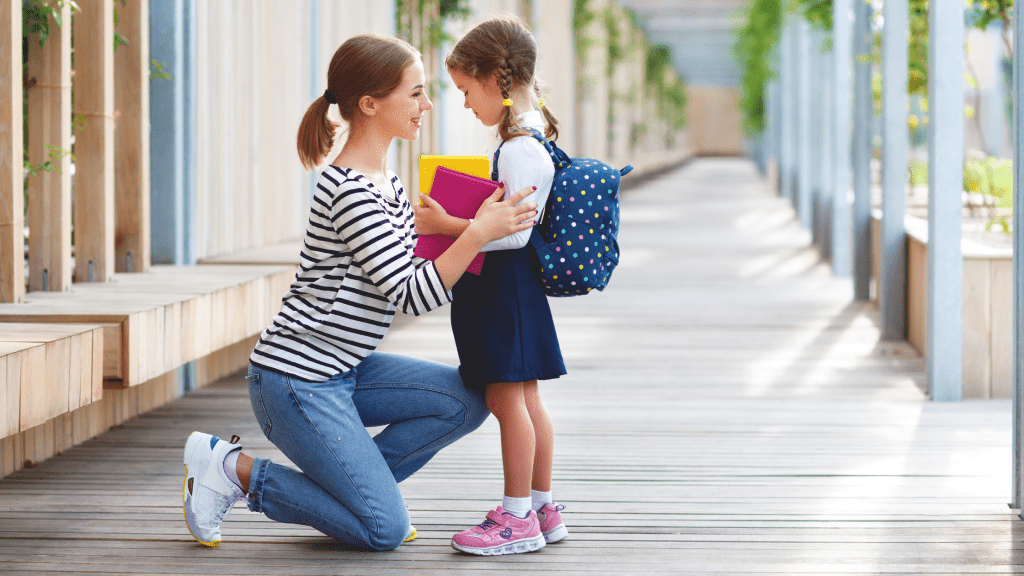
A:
<point x="316" y="134"/>
<point x="364" y="65"/>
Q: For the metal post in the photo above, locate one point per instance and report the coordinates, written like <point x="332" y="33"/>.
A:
<point x="862" y="148"/>
<point x="842" y="46"/>
<point x="803" y="102"/>
<point x="827" y="154"/>
<point x="892" y="281"/>
<point x="1018" y="258"/>
<point x="944" y="353"/>
<point x="786" y="109"/>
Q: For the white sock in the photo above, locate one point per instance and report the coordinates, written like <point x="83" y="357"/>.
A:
<point x="230" y="462"/>
<point x="540" y="499"/>
<point x="520" y="507"/>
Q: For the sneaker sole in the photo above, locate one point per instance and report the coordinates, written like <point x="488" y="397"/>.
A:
<point x="522" y="546"/>
<point x="556" y="534"/>
<point x="190" y="447"/>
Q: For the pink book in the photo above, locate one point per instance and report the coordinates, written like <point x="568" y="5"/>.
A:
<point x="461" y="195"/>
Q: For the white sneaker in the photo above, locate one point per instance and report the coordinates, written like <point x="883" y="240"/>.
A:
<point x="207" y="495"/>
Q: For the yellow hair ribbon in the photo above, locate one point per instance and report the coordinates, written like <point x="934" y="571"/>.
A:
<point x="541" y="103"/>
<point x="506" y="102"/>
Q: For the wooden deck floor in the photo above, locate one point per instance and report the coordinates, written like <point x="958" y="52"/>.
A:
<point x="728" y="411"/>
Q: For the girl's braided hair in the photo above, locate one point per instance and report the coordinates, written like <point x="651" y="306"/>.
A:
<point x="502" y="45"/>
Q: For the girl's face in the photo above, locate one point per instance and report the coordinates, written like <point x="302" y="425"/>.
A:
<point x="402" y="109"/>
<point x="482" y="97"/>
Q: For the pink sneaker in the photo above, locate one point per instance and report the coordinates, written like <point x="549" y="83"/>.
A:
<point x="551" y="525"/>
<point x="501" y="533"/>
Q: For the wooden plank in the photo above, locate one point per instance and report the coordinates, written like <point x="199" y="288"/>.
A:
<point x="977" y="327"/>
<point x="1001" y="343"/>
<point x="94" y="143"/>
<point x="49" y="124"/>
<point x="12" y="202"/>
<point x="10" y="394"/>
<point x="57" y="383"/>
<point x="33" y="388"/>
<point x="131" y="164"/>
<point x="917" y="293"/>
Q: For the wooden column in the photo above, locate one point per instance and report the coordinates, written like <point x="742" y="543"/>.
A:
<point x="131" y="138"/>
<point x="842" y="46"/>
<point x="1018" y="262"/>
<point x="862" y="147"/>
<point x="892" y="281"/>
<point x="12" y="201"/>
<point x="49" y="124"/>
<point x="94" y="143"/>
<point x="944" y="337"/>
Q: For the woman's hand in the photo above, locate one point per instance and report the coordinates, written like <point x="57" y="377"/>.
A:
<point x="497" y="218"/>
<point x="431" y="217"/>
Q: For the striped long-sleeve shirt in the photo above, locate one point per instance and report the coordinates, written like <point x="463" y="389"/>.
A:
<point x="357" y="267"/>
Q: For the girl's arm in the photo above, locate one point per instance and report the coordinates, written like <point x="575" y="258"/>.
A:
<point x="495" y="219"/>
<point x="524" y="163"/>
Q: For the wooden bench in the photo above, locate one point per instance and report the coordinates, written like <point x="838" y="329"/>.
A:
<point x="75" y="363"/>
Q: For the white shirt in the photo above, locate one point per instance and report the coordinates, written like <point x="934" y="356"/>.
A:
<point x="524" y="162"/>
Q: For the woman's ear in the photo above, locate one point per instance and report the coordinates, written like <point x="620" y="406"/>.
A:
<point x="368" y="105"/>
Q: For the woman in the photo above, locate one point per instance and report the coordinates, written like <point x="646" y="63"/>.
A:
<point x="314" y="379"/>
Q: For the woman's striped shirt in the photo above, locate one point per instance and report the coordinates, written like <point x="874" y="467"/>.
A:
<point x="357" y="267"/>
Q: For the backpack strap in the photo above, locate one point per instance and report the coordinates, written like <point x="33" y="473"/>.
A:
<point x="559" y="158"/>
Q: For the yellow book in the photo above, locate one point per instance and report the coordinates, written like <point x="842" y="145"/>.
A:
<point x="472" y="165"/>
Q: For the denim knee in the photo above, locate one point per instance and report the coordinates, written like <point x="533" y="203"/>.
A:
<point x="391" y="531"/>
<point x="476" y="410"/>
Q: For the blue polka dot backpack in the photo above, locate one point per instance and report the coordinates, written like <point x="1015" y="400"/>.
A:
<point x="576" y="245"/>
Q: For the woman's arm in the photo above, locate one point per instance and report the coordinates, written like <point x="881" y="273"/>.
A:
<point x="495" y="219"/>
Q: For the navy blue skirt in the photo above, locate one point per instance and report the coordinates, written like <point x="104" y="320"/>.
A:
<point x="502" y="322"/>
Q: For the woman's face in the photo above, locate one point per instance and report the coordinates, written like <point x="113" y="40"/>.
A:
<point x="402" y="109"/>
<point x="482" y="97"/>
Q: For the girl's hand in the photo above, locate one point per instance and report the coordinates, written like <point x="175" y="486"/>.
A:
<point x="498" y="218"/>
<point x="431" y="217"/>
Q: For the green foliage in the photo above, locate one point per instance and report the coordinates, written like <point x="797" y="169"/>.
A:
<point x="817" y="12"/>
<point x="756" y="40"/>
<point x="36" y="15"/>
<point x="157" y="71"/>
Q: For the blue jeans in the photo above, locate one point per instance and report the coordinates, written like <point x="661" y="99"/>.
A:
<point x="347" y="485"/>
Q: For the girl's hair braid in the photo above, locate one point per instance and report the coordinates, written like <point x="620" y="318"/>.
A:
<point x="501" y="48"/>
<point x="551" y="132"/>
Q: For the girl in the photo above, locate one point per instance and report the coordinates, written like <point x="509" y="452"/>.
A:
<point x="501" y="320"/>
<point x="315" y="381"/>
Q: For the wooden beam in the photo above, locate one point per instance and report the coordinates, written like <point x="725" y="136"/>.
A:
<point x="94" y="143"/>
<point x="12" y="202"/>
<point x="131" y="133"/>
<point x="49" y="124"/>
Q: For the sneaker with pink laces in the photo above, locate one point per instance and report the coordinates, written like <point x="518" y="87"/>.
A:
<point x="501" y="533"/>
<point x="551" y="525"/>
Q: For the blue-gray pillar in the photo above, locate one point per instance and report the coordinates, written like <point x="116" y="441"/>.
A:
<point x="804" y="186"/>
<point x="892" y="281"/>
<point x="828" y="145"/>
<point x="786" y="109"/>
<point x="863" y="105"/>
<point x="172" y="135"/>
<point x="842" y="67"/>
<point x="1018" y="260"/>
<point x="944" y="350"/>
<point x="816" y="140"/>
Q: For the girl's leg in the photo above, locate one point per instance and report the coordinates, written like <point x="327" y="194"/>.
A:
<point x="508" y="404"/>
<point x="545" y="438"/>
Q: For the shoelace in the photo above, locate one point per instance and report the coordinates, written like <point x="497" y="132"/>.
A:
<point x="487" y="524"/>
<point x="224" y="504"/>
